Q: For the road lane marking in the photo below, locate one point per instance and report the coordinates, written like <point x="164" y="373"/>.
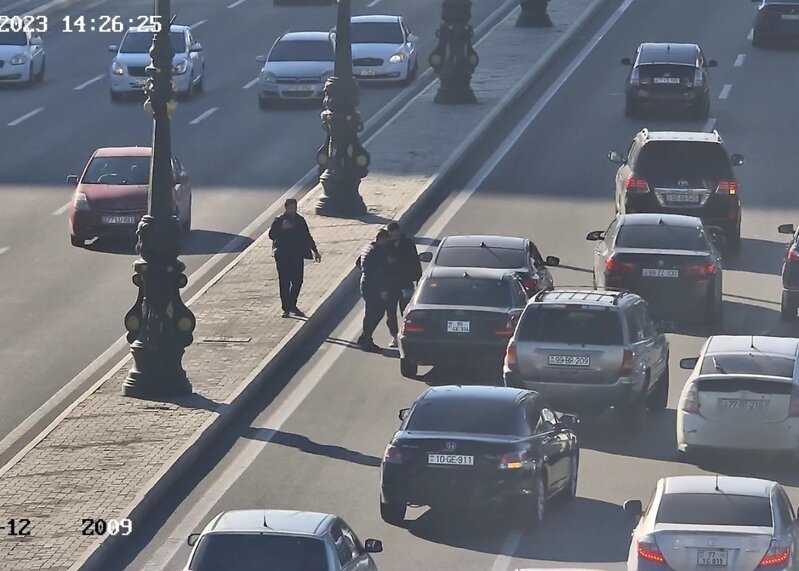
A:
<point x="709" y="124"/>
<point x="95" y="4"/>
<point x="739" y="61"/>
<point x="725" y="91"/>
<point x="95" y="79"/>
<point x="4" y="249"/>
<point x="198" y="24"/>
<point x="751" y="34"/>
<point x="250" y="83"/>
<point x="10" y="7"/>
<point x="19" y="120"/>
<point x="373" y="3"/>
<point x="63" y="209"/>
<point x="236" y="3"/>
<point x="509" y="547"/>
<point x="205" y="115"/>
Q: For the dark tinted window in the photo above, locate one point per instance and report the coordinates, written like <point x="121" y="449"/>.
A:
<point x="377" y="33"/>
<point x="465" y="291"/>
<point x="576" y="325"/>
<point x="715" y="509"/>
<point x="476" y="257"/>
<point x="302" y="50"/>
<point x="467" y="415"/>
<point x="118" y="170"/>
<point x="661" y="237"/>
<point x="256" y="552"/>
<point x="690" y="160"/>
<point x="140" y="42"/>
<point x="13" y="39"/>
<point x="667" y="54"/>
<point x="748" y="364"/>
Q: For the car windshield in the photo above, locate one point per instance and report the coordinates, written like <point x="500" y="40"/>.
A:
<point x="140" y="42"/>
<point x="465" y="292"/>
<point x="661" y="237"/>
<point x="689" y="160"/>
<point x="467" y="415"/>
<point x="118" y="170"/>
<point x="477" y="257"/>
<point x="715" y="509"/>
<point x="258" y="552"/>
<point x="302" y="50"/>
<point x="377" y="33"/>
<point x="579" y="325"/>
<point x="748" y="364"/>
<point x="13" y="39"/>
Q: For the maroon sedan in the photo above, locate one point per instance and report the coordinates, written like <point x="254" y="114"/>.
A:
<point x="111" y="195"/>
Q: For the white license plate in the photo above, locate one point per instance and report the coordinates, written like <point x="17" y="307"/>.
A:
<point x="745" y="404"/>
<point x="450" y="460"/>
<point x="367" y="72"/>
<point x="458" y="326"/>
<point x="666" y="80"/>
<point x="790" y="16"/>
<point x="119" y="219"/>
<point x="140" y="82"/>
<point x="660" y="273"/>
<point x="569" y="361"/>
<point x="711" y="558"/>
<point x="682" y="198"/>
<point x="297" y="88"/>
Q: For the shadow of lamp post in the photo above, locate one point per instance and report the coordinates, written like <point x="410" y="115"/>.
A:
<point x="454" y="59"/>
<point x="534" y="14"/>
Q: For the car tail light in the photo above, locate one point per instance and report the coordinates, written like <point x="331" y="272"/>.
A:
<point x="393" y="455"/>
<point x="409" y="326"/>
<point x="768" y="13"/>
<point x="507" y="329"/>
<point x="511" y="358"/>
<point x="635" y="78"/>
<point x="648" y="550"/>
<point x="530" y="283"/>
<point x="700" y="269"/>
<point x="627" y="362"/>
<point x="636" y="185"/>
<point x="691" y="401"/>
<point x="699" y="78"/>
<point x="614" y="266"/>
<point x="793" y="255"/>
<point x="511" y="461"/>
<point x="727" y="187"/>
<point x="778" y="554"/>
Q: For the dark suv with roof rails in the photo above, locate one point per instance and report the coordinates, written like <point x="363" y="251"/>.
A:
<point x="776" y="21"/>
<point x="668" y="75"/>
<point x="681" y="172"/>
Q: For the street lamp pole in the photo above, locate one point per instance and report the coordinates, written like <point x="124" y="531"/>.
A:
<point x="159" y="324"/>
<point x="342" y="160"/>
<point x="454" y="59"/>
<point x="534" y="14"/>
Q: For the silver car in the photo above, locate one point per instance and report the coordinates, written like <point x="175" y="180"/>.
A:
<point x="586" y="350"/>
<point x="297" y="67"/>
<point x="714" y="522"/>
<point x="127" y="70"/>
<point x="280" y="539"/>
<point x="383" y="49"/>
<point x="21" y="57"/>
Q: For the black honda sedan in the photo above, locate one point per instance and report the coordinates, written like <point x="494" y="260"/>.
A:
<point x="476" y="446"/>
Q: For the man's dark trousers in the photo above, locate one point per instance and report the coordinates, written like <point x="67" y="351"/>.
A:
<point x="395" y="300"/>
<point x="289" y="275"/>
<point x="375" y="309"/>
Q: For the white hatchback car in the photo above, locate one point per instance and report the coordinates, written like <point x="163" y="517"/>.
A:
<point x="21" y="57"/>
<point x="383" y="49"/>
<point x="743" y="394"/>
<point x="714" y="522"/>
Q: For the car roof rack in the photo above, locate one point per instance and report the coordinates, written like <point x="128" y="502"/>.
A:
<point x="615" y="293"/>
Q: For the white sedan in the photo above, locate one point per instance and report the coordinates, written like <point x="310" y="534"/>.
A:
<point x="383" y="49"/>
<point x="21" y="57"/>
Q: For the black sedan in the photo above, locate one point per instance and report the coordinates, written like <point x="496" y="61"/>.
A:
<point x="777" y="21"/>
<point x="669" y="259"/>
<point x="477" y="446"/>
<point x="460" y="314"/>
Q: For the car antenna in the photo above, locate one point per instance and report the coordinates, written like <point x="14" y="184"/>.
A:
<point x="466" y="274"/>
<point x="752" y="343"/>
<point x="266" y="525"/>
<point x="483" y="245"/>
<point x="717" y="483"/>
<point x="660" y="221"/>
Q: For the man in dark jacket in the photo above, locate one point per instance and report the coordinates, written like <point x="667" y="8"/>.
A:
<point x="292" y="244"/>
<point x="373" y="288"/>
<point x="403" y="270"/>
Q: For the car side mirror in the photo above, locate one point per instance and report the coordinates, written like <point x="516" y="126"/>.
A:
<point x="426" y="257"/>
<point x="633" y="508"/>
<point x="786" y="229"/>
<point x="113" y="48"/>
<point x="688" y="363"/>
<point x="193" y="537"/>
<point x="373" y="546"/>
<point x="737" y="160"/>
<point x="595" y="236"/>
<point x="260" y="59"/>
<point x="570" y="421"/>
<point x="403" y="413"/>
<point x="72" y="179"/>
<point x="196" y="47"/>
<point x="552" y="261"/>
<point x="413" y="38"/>
<point x="626" y="61"/>
<point x="712" y="63"/>
<point x="615" y="157"/>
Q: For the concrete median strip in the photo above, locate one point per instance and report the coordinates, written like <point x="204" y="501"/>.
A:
<point x="111" y="457"/>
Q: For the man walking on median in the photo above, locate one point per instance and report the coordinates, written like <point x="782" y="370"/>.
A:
<point x="373" y="288"/>
<point x="403" y="270"/>
<point x="292" y="244"/>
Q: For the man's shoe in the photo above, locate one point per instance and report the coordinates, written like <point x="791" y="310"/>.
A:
<point x="369" y="346"/>
<point x="394" y="342"/>
<point x="298" y="313"/>
<point x="285" y="314"/>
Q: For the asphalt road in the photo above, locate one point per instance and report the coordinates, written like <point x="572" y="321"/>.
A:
<point x="61" y="307"/>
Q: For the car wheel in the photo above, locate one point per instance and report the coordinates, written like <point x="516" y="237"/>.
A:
<point x="757" y="39"/>
<point x="189" y="93"/>
<point x="201" y="84"/>
<point x="40" y="77"/>
<point x="408" y="369"/>
<point x="116" y="97"/>
<point x="31" y="76"/>
<point x="392" y="512"/>
<point x="735" y="241"/>
<point x="77" y="242"/>
<point x="263" y="102"/>
<point x="535" y="508"/>
<point x="658" y="400"/>
<point x="570" y="491"/>
<point x="631" y="109"/>
<point x="702" y="109"/>
<point x="787" y="310"/>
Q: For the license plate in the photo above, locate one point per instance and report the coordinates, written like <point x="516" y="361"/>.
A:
<point x="660" y="273"/>
<point x="790" y="16"/>
<point x="682" y="198"/>
<point x="711" y="558"/>
<point x="297" y="88"/>
<point x="119" y="219"/>
<point x="450" y="460"/>
<point x="140" y="82"/>
<point x="367" y="72"/>
<point x="458" y="326"/>
<point x="745" y="404"/>
<point x="666" y="80"/>
<point x="569" y="361"/>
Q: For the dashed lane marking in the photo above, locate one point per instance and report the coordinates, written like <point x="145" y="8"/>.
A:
<point x="95" y="79"/>
<point x="25" y="117"/>
<point x="751" y="34"/>
<point x="250" y="83"/>
<point x="62" y="209"/>
<point x="4" y="249"/>
<point x="203" y="116"/>
<point x="236" y="3"/>
<point x="373" y="3"/>
<point x="739" y="61"/>
<point x="198" y="24"/>
<point x="725" y="91"/>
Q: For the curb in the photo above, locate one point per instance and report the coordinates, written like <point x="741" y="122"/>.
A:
<point x="97" y="557"/>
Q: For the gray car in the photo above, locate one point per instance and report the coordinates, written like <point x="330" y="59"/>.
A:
<point x="297" y="67"/>
<point x="586" y="350"/>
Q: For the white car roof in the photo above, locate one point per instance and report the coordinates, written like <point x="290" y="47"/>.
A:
<point x="376" y="18"/>
<point x="778" y="346"/>
<point x="269" y="521"/>
<point x="727" y="485"/>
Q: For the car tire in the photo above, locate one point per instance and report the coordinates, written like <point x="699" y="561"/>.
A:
<point x="658" y="400"/>
<point x="534" y="509"/>
<point x="392" y="513"/>
<point x="263" y="102"/>
<point x="757" y="39"/>
<point x="189" y="93"/>
<point x="115" y="97"/>
<point x="77" y="242"/>
<point x="570" y="491"/>
<point x="31" y="76"/>
<point x="40" y="75"/>
<point x="787" y="310"/>
<point x="735" y="241"/>
<point x="201" y="85"/>
<point x="631" y="109"/>
<point x="408" y="369"/>
<point x="702" y="109"/>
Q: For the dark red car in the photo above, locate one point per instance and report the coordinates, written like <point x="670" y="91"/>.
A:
<point x="111" y="195"/>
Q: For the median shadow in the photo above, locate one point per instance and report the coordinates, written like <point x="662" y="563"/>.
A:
<point x="305" y="444"/>
<point x="757" y="256"/>
<point x="200" y="242"/>
<point x="656" y="440"/>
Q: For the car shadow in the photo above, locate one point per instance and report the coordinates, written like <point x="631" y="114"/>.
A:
<point x="656" y="440"/>
<point x="739" y="319"/>
<point x="463" y="374"/>
<point x="198" y="242"/>
<point x="757" y="256"/>
<point x="305" y="444"/>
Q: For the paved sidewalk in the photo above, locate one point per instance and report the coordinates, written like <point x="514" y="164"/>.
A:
<point x="105" y="452"/>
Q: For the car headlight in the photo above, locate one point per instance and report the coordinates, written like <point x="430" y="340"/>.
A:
<point x="268" y="77"/>
<point x="181" y="67"/>
<point x="398" y="58"/>
<point x="81" y="202"/>
<point x="117" y="69"/>
<point x="19" y="59"/>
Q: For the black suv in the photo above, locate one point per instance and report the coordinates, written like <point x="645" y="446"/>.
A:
<point x="776" y="21"/>
<point x="790" y="273"/>
<point x="668" y="74"/>
<point x="681" y="172"/>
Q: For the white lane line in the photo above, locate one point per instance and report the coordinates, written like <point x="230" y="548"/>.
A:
<point x="95" y="4"/>
<point x="4" y="249"/>
<point x="19" y="120"/>
<point x="95" y="79"/>
<point x="198" y="24"/>
<point x="205" y="115"/>
<point x="236" y="3"/>
<point x="373" y="3"/>
<point x="709" y="124"/>
<point x="63" y="209"/>
<point x="725" y="91"/>
<point x="46" y="7"/>
<point x="509" y="547"/>
<point x="739" y="61"/>
<point x="250" y="451"/>
<point x="751" y="34"/>
<point x="250" y="83"/>
<point x="10" y="7"/>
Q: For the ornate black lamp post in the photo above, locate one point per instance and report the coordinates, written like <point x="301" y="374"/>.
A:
<point x="159" y="325"/>
<point x="343" y="161"/>
<point x="534" y="14"/>
<point x="454" y="59"/>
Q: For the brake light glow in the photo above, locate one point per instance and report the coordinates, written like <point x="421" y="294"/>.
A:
<point x="511" y="358"/>
<point x="508" y="329"/>
<point x="636" y="185"/>
<point x="793" y="255"/>
<point x="691" y="401"/>
<point x="612" y="265"/>
<point x="727" y="187"/>
<point x="776" y="555"/>
<point x="700" y="269"/>
<point x="635" y="78"/>
<point x="511" y="461"/>
<point x="649" y="551"/>
<point x="530" y="283"/>
<point x="393" y="455"/>
<point x="408" y="326"/>
<point x="627" y="362"/>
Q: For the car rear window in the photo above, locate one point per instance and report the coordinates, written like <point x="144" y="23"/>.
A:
<point x="477" y="257"/>
<point x="661" y="236"/>
<point x="715" y="509"/>
<point x="465" y="291"/>
<point x="748" y="364"/>
<point x="140" y="42"/>
<point x="377" y="33"/>
<point x="691" y="160"/>
<point x="667" y="54"/>
<point x="467" y="415"/>
<point x="258" y="552"/>
<point x="302" y="50"/>
<point x="575" y="325"/>
<point x="118" y="170"/>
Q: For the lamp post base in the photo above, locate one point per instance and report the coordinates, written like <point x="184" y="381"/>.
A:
<point x="155" y="374"/>
<point x="534" y="14"/>
<point x="450" y="95"/>
<point x="340" y="204"/>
